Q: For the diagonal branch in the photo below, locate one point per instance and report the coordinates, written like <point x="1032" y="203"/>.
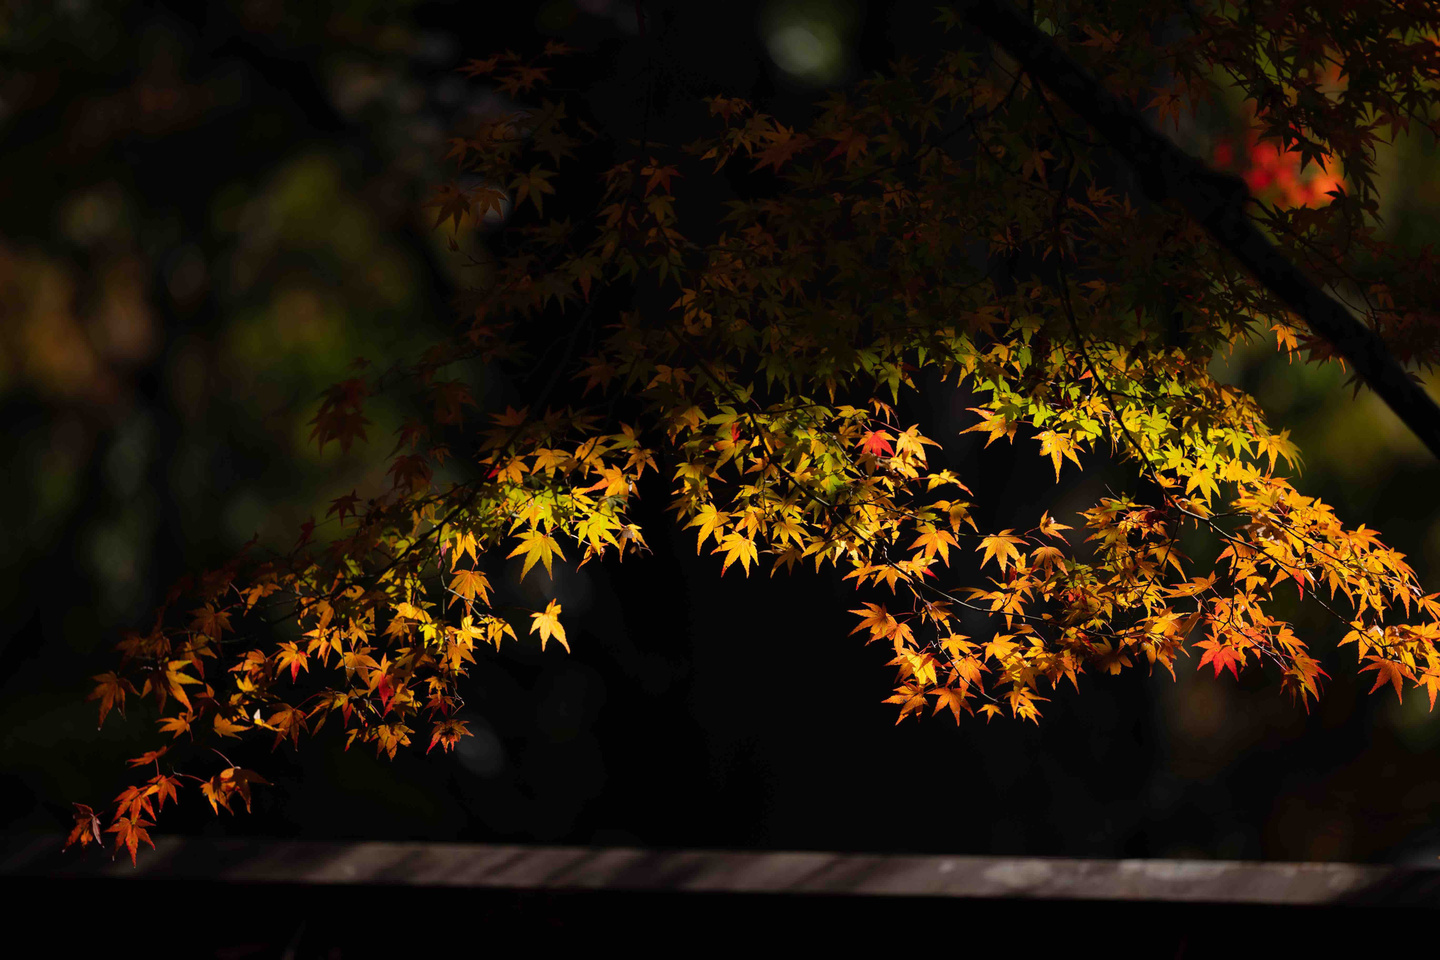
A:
<point x="1215" y="200"/>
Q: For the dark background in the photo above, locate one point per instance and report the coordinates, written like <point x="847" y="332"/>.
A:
<point x="208" y="210"/>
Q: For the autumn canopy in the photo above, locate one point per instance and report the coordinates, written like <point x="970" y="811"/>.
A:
<point x="1012" y="219"/>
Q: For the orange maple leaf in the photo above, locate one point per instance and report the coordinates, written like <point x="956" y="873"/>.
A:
<point x="1221" y="656"/>
<point x="230" y="782"/>
<point x="86" y="829"/>
<point x="129" y="834"/>
<point x="447" y="733"/>
<point x="952" y="698"/>
<point x="110" y="689"/>
<point x="1389" y="671"/>
<point x="911" y="696"/>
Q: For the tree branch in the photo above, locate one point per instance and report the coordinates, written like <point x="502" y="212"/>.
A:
<point x="1215" y="200"/>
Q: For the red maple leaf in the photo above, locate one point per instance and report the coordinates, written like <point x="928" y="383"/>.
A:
<point x="877" y="443"/>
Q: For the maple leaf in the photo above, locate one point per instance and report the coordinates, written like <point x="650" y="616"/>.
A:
<point x="343" y="505"/>
<point x="1112" y="660"/>
<point x="1043" y="558"/>
<point x="1001" y="548"/>
<point x="1273" y="445"/>
<point x="479" y="68"/>
<point x="287" y="721"/>
<point x="547" y="624"/>
<point x="165" y="788"/>
<point x="210" y="621"/>
<point x="533" y="185"/>
<point x="911" y="697"/>
<point x="340" y="417"/>
<point x="450" y="399"/>
<point x="465" y="544"/>
<point x="521" y="78"/>
<point x="995" y="424"/>
<point x="1056" y="446"/>
<point x="1022" y="703"/>
<point x="933" y="541"/>
<point x="1000" y="646"/>
<point x="1051" y="528"/>
<point x="1221" y="656"/>
<point x="290" y="655"/>
<point x="129" y="834"/>
<point x="851" y="143"/>
<point x="358" y="660"/>
<point x="175" y="725"/>
<point x="737" y="547"/>
<point x="953" y="699"/>
<point x="469" y="584"/>
<point x="228" y="783"/>
<point x="135" y="802"/>
<point x="784" y="144"/>
<point x="148" y="757"/>
<point x="658" y="177"/>
<point x="86" y="829"/>
<point x="537" y="547"/>
<point x="387" y="689"/>
<point x="1388" y="671"/>
<point x="110" y="690"/>
<point x="447" y="733"/>
<point x="877" y="443"/>
<point x="226" y="728"/>
<point x="1431" y="681"/>
<point x="877" y="620"/>
<point x="711" y="523"/>
<point x="389" y="737"/>
<point x="172" y="683"/>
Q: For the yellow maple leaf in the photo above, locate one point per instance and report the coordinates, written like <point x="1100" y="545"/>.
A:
<point x="993" y="423"/>
<point x="1000" y="547"/>
<point x="1056" y="446"/>
<point x="469" y="584"/>
<point x="227" y="729"/>
<point x="547" y="624"/>
<point x="175" y="725"/>
<point x="711" y="523"/>
<point x="1051" y="527"/>
<point x="536" y="546"/>
<point x="932" y="541"/>
<point x="1273" y="445"/>
<point x="737" y="547"/>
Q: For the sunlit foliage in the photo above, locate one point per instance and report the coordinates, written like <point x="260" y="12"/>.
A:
<point x="950" y="220"/>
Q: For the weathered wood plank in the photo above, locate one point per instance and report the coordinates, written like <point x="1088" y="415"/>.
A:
<point x="621" y="869"/>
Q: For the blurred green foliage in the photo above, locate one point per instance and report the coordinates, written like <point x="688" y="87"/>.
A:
<point x="195" y="244"/>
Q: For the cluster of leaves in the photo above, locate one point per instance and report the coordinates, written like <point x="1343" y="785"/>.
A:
<point x="950" y="220"/>
<point x="1275" y="174"/>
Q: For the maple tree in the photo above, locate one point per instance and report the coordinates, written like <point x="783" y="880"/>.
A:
<point x="959" y="219"/>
